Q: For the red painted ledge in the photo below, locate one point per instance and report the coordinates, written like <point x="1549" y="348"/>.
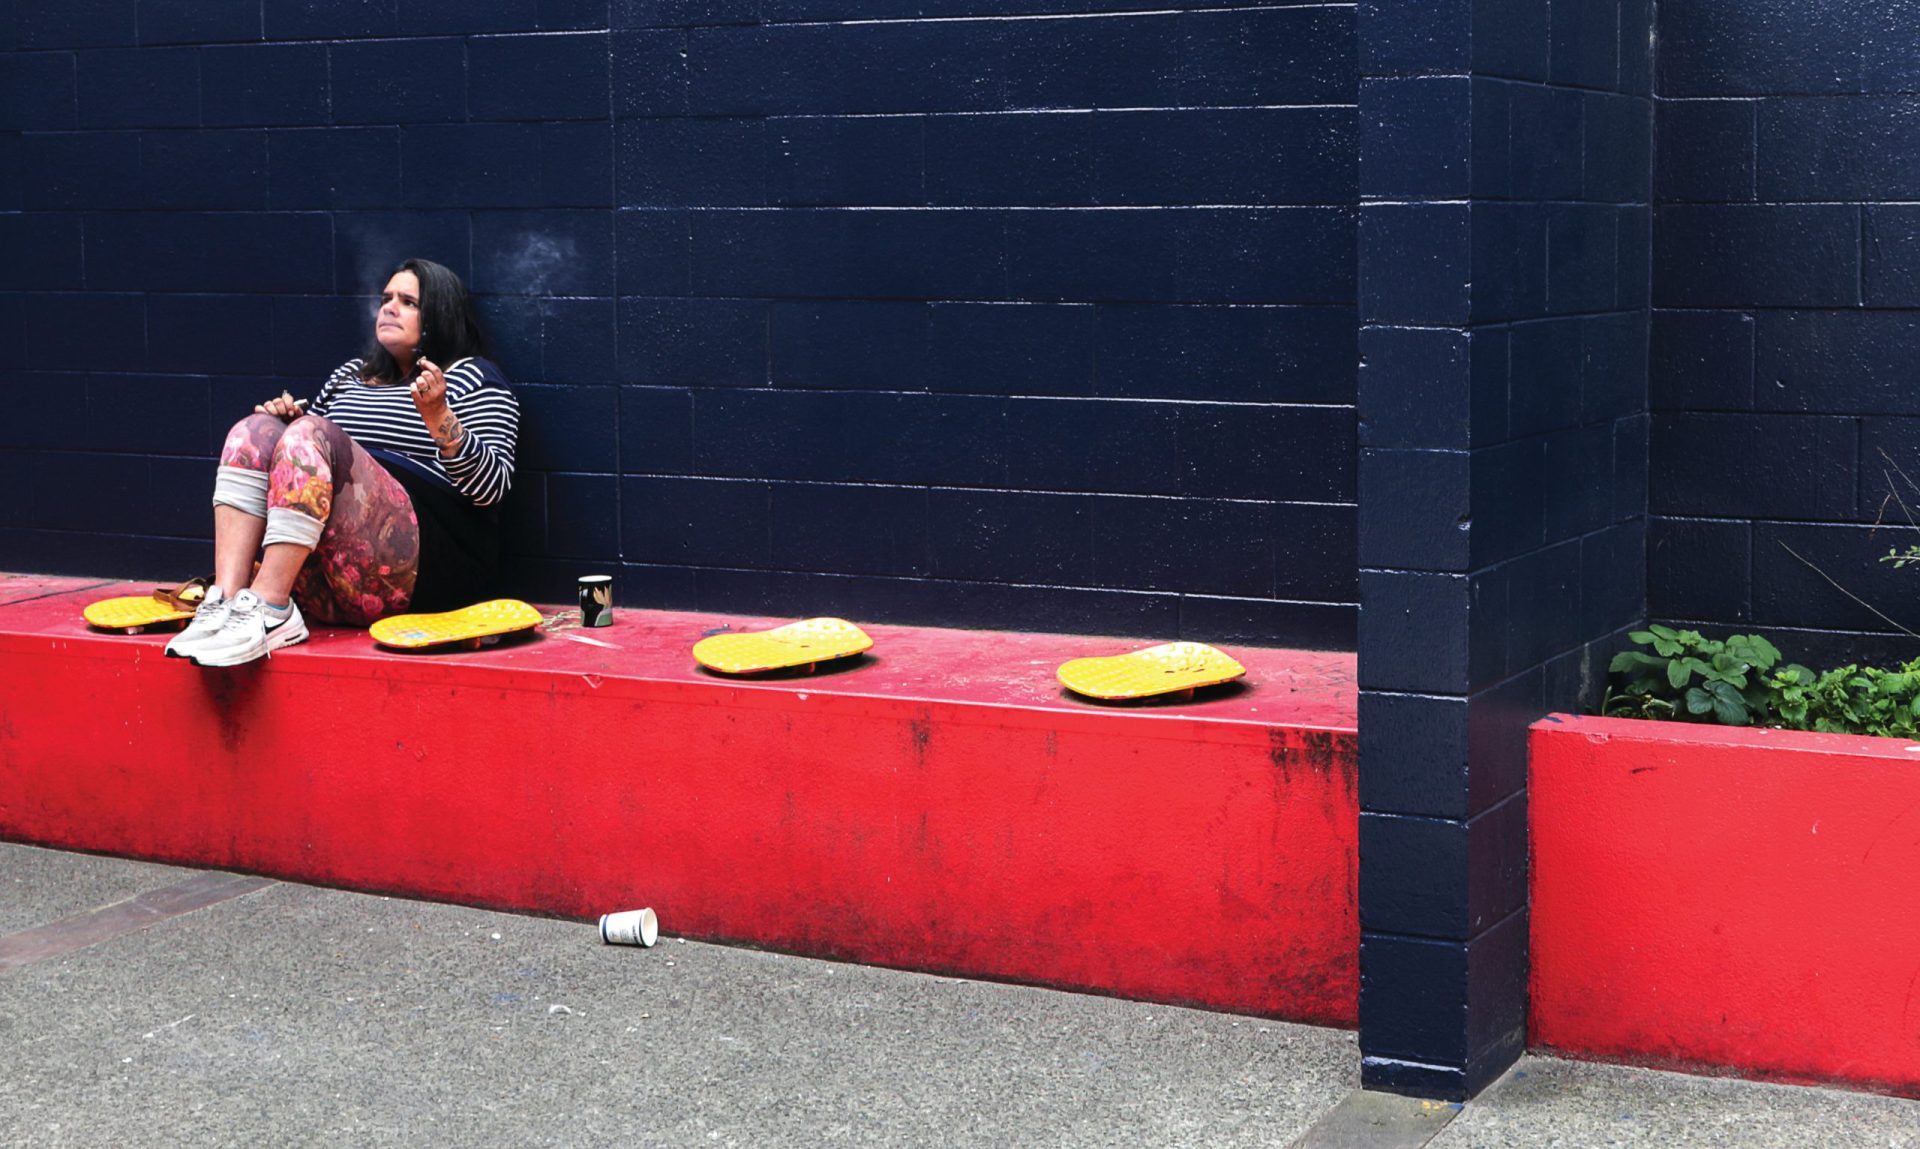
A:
<point x="1728" y="900"/>
<point x="942" y="805"/>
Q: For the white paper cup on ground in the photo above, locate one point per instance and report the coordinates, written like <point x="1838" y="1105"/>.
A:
<point x="630" y="928"/>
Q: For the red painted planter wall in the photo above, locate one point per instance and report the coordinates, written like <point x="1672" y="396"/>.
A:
<point x="1199" y="854"/>
<point x="1706" y="897"/>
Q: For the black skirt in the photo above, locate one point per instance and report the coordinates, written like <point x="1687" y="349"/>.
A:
<point x="459" y="542"/>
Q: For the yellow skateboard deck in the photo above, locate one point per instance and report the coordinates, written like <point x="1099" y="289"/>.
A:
<point x="1169" y="668"/>
<point x="803" y="643"/>
<point x="473" y="625"/>
<point x="134" y="614"/>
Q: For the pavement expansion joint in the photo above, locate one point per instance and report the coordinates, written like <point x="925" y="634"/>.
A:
<point x="1368" y="1120"/>
<point x="136" y="913"/>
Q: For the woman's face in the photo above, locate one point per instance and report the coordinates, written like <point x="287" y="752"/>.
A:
<point x="397" y="325"/>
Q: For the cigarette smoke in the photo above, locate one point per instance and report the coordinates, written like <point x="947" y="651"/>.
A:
<point x="376" y="254"/>
<point x="532" y="264"/>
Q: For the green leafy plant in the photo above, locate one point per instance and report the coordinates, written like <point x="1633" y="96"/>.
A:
<point x="1689" y="677"/>
<point x="1902" y="558"/>
<point x="1684" y="676"/>
<point x="1850" y="700"/>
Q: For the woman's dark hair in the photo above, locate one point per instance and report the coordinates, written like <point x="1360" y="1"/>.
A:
<point x="449" y="326"/>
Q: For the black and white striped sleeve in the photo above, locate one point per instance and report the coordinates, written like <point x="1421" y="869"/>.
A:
<point x="345" y="373"/>
<point x="478" y="394"/>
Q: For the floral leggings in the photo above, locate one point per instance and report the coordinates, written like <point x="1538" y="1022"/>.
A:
<point x="367" y="557"/>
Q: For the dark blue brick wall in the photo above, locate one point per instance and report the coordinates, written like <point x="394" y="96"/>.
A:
<point x="897" y="310"/>
<point x="1100" y="319"/>
<point x="1786" y="273"/>
<point x="1506" y="182"/>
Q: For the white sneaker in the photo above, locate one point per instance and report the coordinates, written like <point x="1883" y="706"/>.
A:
<point x="208" y="618"/>
<point x="251" y="631"/>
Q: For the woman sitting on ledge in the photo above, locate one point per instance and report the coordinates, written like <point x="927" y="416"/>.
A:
<point x="383" y="497"/>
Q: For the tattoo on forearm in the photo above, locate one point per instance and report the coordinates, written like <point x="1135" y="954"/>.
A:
<point x="448" y="432"/>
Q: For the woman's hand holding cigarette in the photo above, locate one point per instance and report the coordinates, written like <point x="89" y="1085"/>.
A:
<point x="284" y="406"/>
<point x="429" y="389"/>
<point x="430" y="399"/>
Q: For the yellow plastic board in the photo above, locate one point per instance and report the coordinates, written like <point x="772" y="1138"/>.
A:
<point x="471" y="624"/>
<point x="795" y="644"/>
<point x="135" y="613"/>
<point x="1164" y="669"/>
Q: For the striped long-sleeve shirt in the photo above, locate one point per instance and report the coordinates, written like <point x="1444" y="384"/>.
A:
<point x="383" y="418"/>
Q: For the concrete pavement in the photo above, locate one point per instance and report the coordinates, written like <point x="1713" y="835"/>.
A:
<point x="291" y="1015"/>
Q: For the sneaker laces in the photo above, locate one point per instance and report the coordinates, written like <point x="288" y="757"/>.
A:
<point x="214" y="603"/>
<point x="244" y="606"/>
